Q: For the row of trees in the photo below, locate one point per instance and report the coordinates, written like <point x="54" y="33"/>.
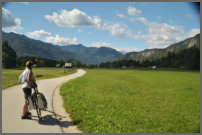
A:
<point x="186" y="59"/>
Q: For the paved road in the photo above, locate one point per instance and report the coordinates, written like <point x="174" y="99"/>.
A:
<point x="12" y="103"/>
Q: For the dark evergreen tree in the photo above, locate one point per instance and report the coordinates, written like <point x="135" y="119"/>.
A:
<point x="9" y="57"/>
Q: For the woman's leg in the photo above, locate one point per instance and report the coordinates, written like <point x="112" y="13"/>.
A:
<point x="24" y="108"/>
<point x="25" y="113"/>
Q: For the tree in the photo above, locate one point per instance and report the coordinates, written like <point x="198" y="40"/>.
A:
<point x="68" y="61"/>
<point x="61" y="62"/>
<point x="9" y="57"/>
<point x="77" y="64"/>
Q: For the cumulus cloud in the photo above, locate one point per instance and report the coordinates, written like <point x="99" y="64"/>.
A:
<point x="61" y="40"/>
<point x="11" y="30"/>
<point x="101" y="44"/>
<point x="132" y="11"/>
<point x="132" y="19"/>
<point x="39" y="33"/>
<point x="115" y="29"/>
<point x="121" y="15"/>
<point x="134" y="36"/>
<point x="73" y="18"/>
<point x="53" y="39"/>
<point x="143" y="20"/>
<point x="193" y="32"/>
<point x="128" y="49"/>
<point x="9" y="22"/>
<point x="161" y="35"/>
<point x="120" y="49"/>
<point x="97" y="21"/>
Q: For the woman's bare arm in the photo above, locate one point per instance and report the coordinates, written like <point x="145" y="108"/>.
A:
<point x="29" y="78"/>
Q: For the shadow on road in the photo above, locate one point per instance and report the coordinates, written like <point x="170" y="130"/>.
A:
<point x="57" y="115"/>
<point x="51" y="120"/>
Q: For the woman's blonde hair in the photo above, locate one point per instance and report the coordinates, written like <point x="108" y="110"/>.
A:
<point x="29" y="64"/>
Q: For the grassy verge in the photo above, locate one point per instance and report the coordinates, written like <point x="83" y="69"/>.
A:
<point x="10" y="76"/>
<point x="134" y="101"/>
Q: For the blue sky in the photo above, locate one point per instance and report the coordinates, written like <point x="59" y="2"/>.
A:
<point x="124" y="26"/>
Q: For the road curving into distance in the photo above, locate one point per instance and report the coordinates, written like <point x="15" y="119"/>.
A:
<point x="55" y="118"/>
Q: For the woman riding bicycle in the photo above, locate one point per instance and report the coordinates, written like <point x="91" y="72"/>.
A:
<point x="27" y="87"/>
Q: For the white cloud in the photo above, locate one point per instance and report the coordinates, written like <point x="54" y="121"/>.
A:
<point x="128" y="49"/>
<point x="121" y="15"/>
<point x="39" y="33"/>
<point x="97" y="21"/>
<point x="61" y="40"/>
<point x="137" y="36"/>
<point x="101" y="44"/>
<point x="76" y="18"/>
<point x="120" y="49"/>
<point x="79" y="30"/>
<point x="9" y="22"/>
<point x="160" y="35"/>
<point x="143" y="20"/>
<point x="133" y="11"/>
<point x="132" y="19"/>
<point x="51" y="39"/>
<point x="193" y="32"/>
<point x="73" y="18"/>
<point x="115" y="29"/>
<point x="11" y="30"/>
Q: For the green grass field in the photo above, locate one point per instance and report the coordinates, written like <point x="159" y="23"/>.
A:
<point x="134" y="101"/>
<point x="10" y="76"/>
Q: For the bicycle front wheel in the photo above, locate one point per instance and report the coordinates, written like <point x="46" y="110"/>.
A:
<point x="38" y="113"/>
<point x="38" y="110"/>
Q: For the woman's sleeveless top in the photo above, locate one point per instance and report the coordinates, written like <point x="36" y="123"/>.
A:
<point x="26" y="84"/>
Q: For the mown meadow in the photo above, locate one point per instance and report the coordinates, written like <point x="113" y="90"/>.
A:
<point x="10" y="76"/>
<point x="134" y="101"/>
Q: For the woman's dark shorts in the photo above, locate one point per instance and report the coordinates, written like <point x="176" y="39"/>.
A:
<point x="27" y="92"/>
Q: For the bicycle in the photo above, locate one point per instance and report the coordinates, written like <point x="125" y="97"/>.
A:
<point x="35" y="103"/>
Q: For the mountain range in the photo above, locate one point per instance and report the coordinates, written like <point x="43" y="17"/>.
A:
<point x="25" y="46"/>
<point x="154" y="53"/>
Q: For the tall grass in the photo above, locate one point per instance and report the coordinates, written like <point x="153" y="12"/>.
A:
<point x="134" y="101"/>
